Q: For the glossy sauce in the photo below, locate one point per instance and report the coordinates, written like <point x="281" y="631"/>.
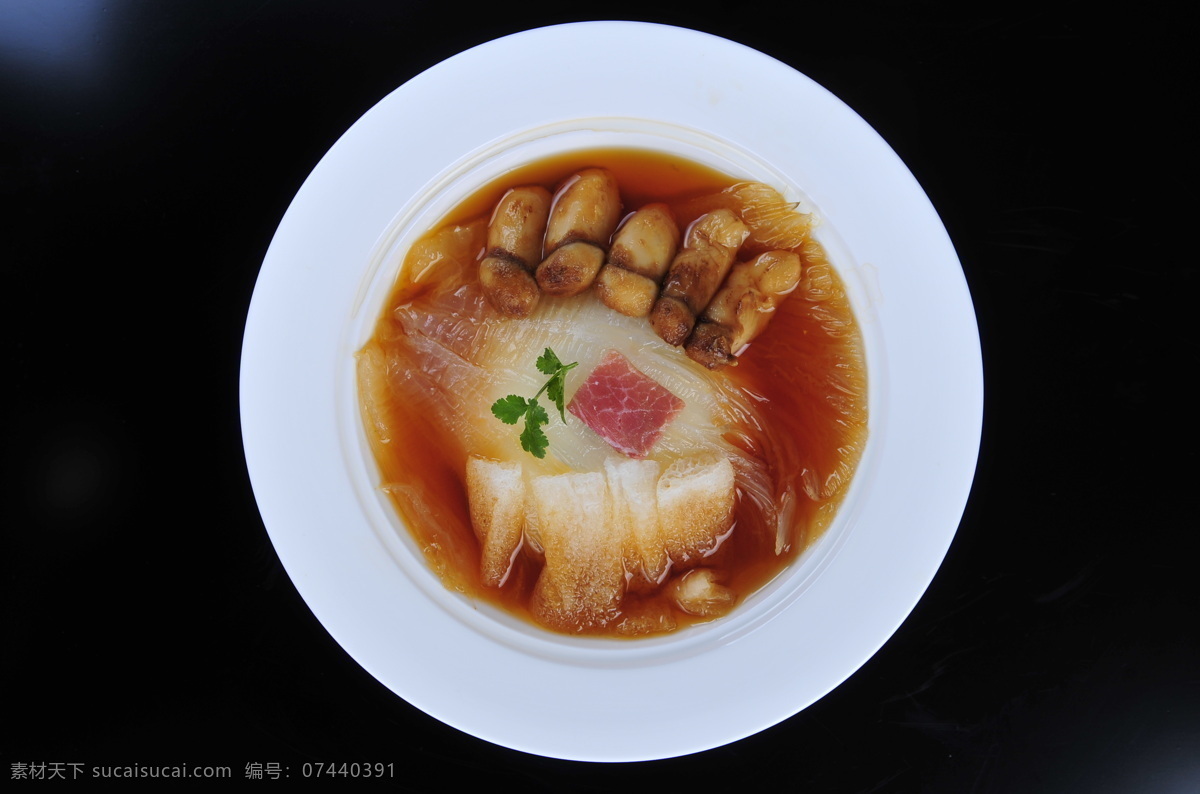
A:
<point x="806" y="373"/>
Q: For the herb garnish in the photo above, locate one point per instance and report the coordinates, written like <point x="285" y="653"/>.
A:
<point x="510" y="409"/>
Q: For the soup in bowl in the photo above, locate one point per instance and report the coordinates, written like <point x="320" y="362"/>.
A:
<point x="615" y="385"/>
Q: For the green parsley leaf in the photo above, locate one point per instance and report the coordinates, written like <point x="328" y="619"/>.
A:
<point x="548" y="363"/>
<point x="556" y="389"/>
<point x="510" y="409"/>
<point x="537" y="414"/>
<point x="533" y="438"/>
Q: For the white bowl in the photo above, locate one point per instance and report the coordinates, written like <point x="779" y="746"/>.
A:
<point x="430" y="144"/>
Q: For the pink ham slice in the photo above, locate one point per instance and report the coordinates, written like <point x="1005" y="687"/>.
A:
<point x="625" y="407"/>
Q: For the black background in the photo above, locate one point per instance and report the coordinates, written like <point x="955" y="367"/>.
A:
<point x="147" y="152"/>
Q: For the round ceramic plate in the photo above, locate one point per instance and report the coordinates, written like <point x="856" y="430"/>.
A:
<point x="323" y="283"/>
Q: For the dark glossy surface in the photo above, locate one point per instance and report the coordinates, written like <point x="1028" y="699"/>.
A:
<point x="147" y="153"/>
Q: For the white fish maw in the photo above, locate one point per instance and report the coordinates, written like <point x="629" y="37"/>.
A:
<point x="633" y="485"/>
<point x="591" y="528"/>
<point x="583" y="580"/>
<point x="466" y="363"/>
<point x="582" y="330"/>
<point x="647" y="617"/>
<point x="374" y="393"/>
<point x="533" y="536"/>
<point x="774" y="221"/>
<point x="496" y="494"/>
<point x="697" y="593"/>
<point x="695" y="505"/>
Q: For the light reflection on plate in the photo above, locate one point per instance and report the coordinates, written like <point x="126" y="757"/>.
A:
<point x="321" y="286"/>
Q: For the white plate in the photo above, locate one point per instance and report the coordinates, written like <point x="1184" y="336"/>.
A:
<point x="322" y="285"/>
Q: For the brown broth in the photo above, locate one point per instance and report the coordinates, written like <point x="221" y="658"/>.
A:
<point x="806" y="372"/>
